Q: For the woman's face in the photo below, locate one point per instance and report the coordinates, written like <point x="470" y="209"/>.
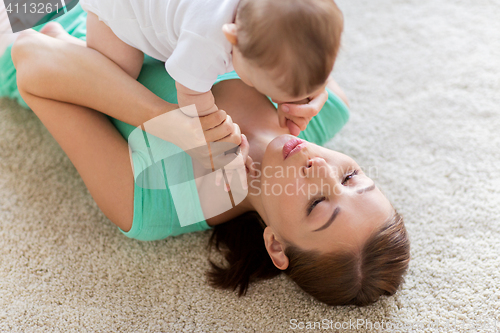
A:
<point x="319" y="199"/>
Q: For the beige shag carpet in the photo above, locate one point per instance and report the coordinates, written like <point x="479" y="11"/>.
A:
<point x="423" y="78"/>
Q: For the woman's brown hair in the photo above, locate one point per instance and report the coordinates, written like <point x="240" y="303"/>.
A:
<point x="338" y="278"/>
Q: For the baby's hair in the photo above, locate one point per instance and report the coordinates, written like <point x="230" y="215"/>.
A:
<point x="297" y="39"/>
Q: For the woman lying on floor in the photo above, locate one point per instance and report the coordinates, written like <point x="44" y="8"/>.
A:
<point x="344" y="244"/>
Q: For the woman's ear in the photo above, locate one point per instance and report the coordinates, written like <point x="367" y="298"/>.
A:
<point x="275" y="249"/>
<point x="230" y="31"/>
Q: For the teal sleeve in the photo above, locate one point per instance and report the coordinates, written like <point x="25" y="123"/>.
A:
<point x="328" y="122"/>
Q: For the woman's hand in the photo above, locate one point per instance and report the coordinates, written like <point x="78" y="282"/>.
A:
<point x="202" y="138"/>
<point x="204" y="102"/>
<point x="232" y="163"/>
<point x="216" y="126"/>
<point x="296" y="116"/>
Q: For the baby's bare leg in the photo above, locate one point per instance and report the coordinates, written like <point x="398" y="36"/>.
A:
<point x="54" y="29"/>
<point x="101" y="38"/>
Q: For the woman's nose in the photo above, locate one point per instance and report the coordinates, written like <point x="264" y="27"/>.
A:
<point x="321" y="176"/>
<point x="318" y="168"/>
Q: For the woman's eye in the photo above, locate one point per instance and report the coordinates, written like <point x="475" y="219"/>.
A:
<point x="314" y="203"/>
<point x="349" y="176"/>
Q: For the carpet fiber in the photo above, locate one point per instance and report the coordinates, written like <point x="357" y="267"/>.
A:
<point x="423" y="78"/>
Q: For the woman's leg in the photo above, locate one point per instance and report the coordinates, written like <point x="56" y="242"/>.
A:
<point x="96" y="149"/>
<point x="51" y="68"/>
<point x="54" y="29"/>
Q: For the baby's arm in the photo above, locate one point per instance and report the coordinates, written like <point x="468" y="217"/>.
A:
<point x="204" y="102"/>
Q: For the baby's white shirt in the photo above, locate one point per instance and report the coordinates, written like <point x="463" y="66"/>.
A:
<point x="186" y="34"/>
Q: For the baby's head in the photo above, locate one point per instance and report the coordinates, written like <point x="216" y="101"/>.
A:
<point x="285" y="48"/>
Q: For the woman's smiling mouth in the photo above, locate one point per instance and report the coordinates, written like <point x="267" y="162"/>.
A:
<point x="293" y="146"/>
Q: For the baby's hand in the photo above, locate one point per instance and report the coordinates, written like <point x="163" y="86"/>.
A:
<point x="296" y="116"/>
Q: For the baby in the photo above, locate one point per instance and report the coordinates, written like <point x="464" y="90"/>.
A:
<point x="285" y="49"/>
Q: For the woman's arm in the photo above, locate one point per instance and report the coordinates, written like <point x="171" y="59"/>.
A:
<point x="204" y="102"/>
<point x="57" y="70"/>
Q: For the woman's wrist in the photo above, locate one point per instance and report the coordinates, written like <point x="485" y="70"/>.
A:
<point x="204" y="102"/>
<point x="153" y="109"/>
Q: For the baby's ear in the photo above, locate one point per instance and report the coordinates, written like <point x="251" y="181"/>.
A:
<point x="230" y="31"/>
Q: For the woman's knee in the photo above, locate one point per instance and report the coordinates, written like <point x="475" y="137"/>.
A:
<point x="30" y="55"/>
<point x="25" y="42"/>
<point x="19" y="53"/>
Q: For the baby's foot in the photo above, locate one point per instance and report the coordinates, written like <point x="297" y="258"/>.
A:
<point x="54" y="29"/>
